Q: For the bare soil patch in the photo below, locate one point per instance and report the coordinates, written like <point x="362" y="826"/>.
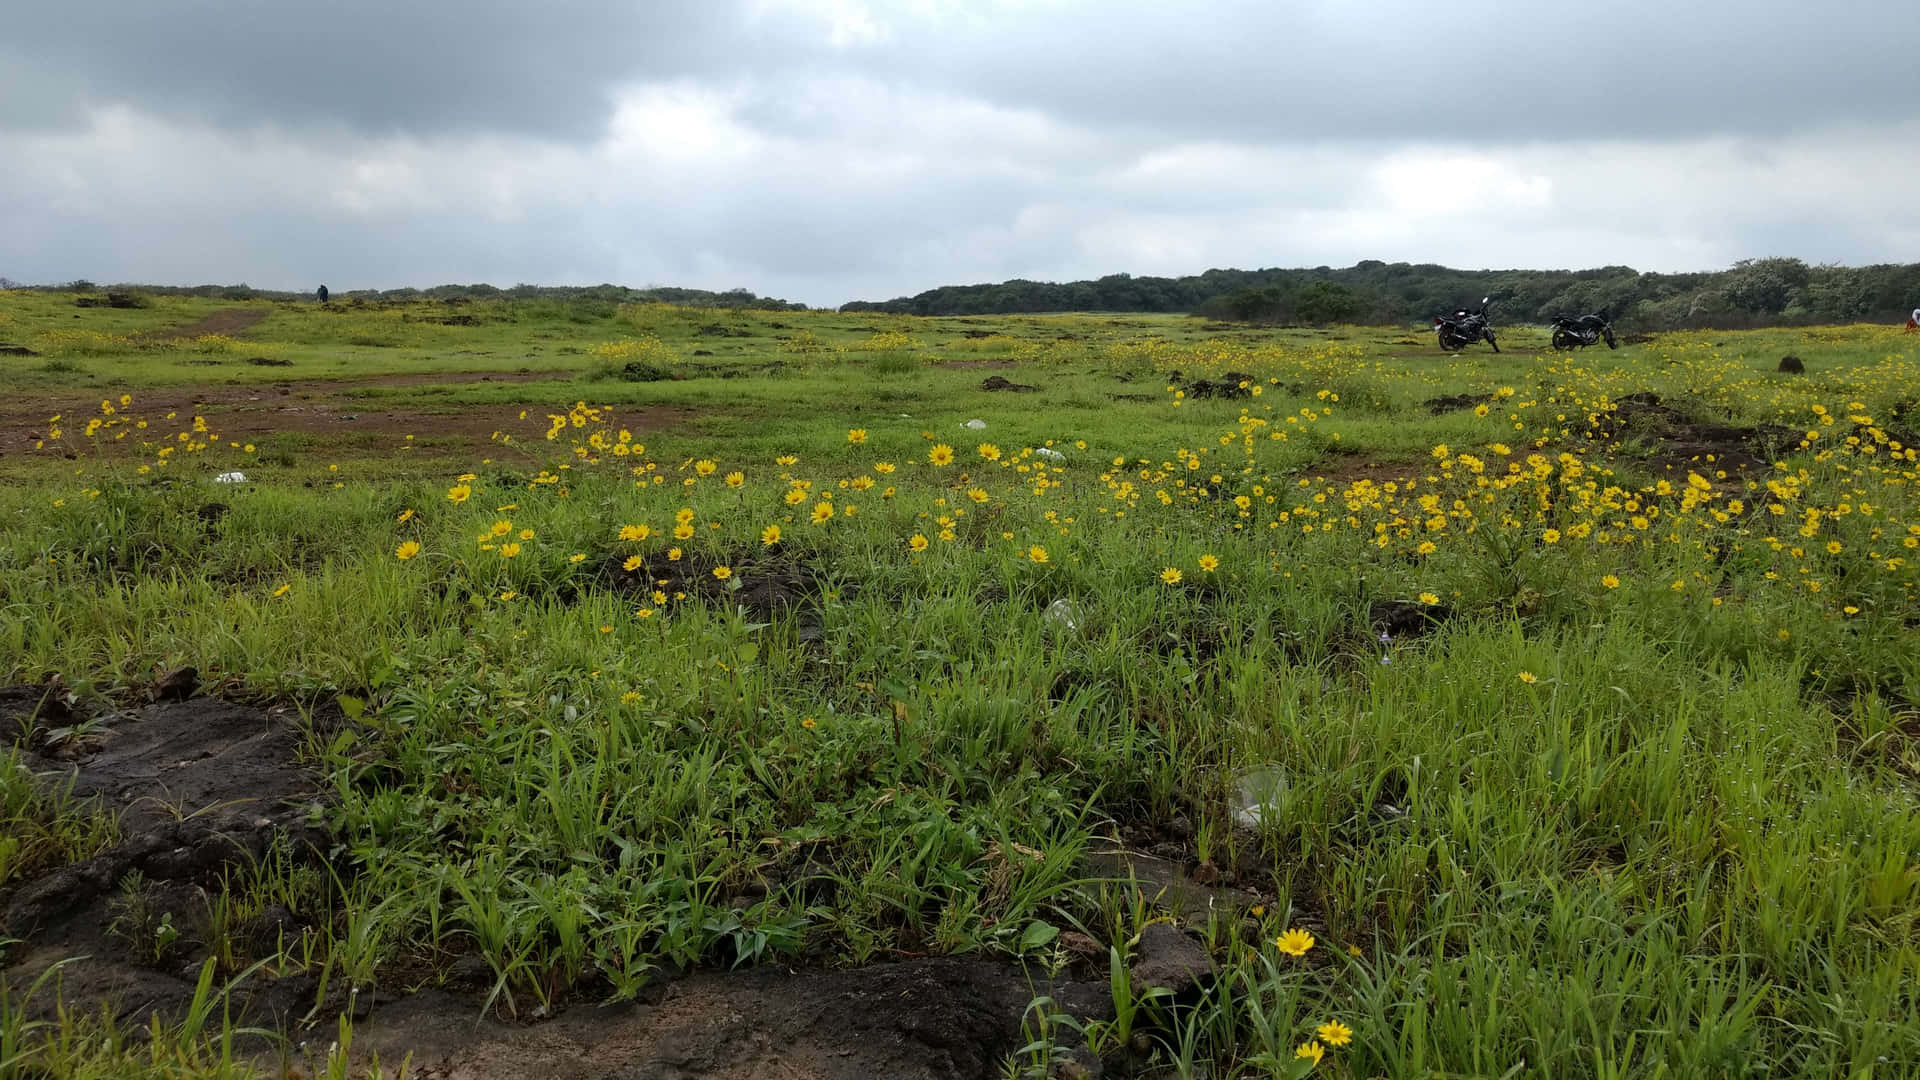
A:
<point x="766" y="583"/>
<point x="1455" y="402"/>
<point x="1345" y="469"/>
<point x="1676" y="443"/>
<point x="1230" y="385"/>
<point x="930" y="1018"/>
<point x="333" y="408"/>
<point x="202" y="789"/>
<point x="226" y="322"/>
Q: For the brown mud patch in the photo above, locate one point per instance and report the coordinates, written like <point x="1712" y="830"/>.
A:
<point x="1346" y="469"/>
<point x="988" y="365"/>
<point x="226" y="322"/>
<point x="336" y="409"/>
<point x="203" y="790"/>
<point x="998" y="382"/>
<point x="929" y="1018"/>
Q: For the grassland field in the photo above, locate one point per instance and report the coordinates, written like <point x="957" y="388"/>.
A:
<point x="1231" y="702"/>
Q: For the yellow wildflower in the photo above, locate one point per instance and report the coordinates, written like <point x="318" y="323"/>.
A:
<point x="1294" y="942"/>
<point x="1334" y="1033"/>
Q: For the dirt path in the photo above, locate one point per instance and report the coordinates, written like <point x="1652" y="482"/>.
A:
<point x="227" y="322"/>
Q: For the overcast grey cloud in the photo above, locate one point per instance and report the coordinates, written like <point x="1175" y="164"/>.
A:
<point x="826" y="150"/>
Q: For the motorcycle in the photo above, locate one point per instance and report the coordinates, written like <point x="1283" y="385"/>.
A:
<point x="1571" y="333"/>
<point x="1464" y="327"/>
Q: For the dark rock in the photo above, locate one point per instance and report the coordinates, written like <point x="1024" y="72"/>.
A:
<point x="1168" y="957"/>
<point x="177" y="685"/>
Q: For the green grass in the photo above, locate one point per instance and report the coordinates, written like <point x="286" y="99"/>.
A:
<point x="1687" y="843"/>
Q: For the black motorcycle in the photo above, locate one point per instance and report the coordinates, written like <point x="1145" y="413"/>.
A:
<point x="1464" y="327"/>
<point x="1569" y="333"/>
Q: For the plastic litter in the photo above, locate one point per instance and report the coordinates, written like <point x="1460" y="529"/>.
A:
<point x="1258" y="793"/>
<point x="1051" y="454"/>
<point x="231" y="478"/>
<point x="977" y="425"/>
<point x="1065" y="614"/>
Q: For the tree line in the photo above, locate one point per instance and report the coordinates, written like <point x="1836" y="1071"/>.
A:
<point x="1753" y="292"/>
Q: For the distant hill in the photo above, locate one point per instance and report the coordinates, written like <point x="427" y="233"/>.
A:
<point x="1755" y="292"/>
<point x="619" y="294"/>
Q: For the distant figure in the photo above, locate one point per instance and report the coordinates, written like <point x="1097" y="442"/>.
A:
<point x="321" y="294"/>
<point x="1913" y="321"/>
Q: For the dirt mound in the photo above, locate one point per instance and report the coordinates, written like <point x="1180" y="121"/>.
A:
<point x="203" y="789"/>
<point x="228" y="321"/>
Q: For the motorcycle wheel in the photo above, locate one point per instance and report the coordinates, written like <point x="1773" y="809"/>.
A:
<point x="1611" y="343"/>
<point x="1489" y="336"/>
<point x="1562" y="340"/>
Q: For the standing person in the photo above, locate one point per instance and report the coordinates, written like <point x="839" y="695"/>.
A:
<point x="1913" y="321"/>
<point x="321" y="294"/>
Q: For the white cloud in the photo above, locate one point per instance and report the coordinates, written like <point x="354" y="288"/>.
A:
<point x="835" y="185"/>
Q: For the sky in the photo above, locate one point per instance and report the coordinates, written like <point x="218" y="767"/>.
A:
<point x="832" y="150"/>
